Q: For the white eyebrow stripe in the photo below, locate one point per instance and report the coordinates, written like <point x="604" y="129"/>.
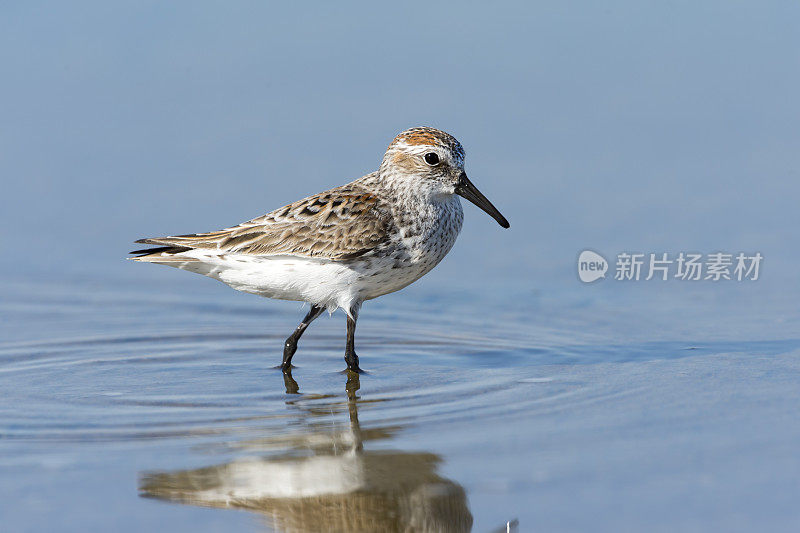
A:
<point x="420" y="149"/>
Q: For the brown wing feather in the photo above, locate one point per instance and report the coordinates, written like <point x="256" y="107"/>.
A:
<point x="339" y="224"/>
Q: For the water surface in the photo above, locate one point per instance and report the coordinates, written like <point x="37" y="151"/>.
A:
<point x="161" y="408"/>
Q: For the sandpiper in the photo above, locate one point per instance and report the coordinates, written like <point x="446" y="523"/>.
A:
<point x="346" y="245"/>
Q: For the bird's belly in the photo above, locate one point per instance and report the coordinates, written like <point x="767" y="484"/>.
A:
<point x="384" y="277"/>
<point x="319" y="281"/>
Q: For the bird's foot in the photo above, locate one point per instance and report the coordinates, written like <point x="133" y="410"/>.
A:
<point x="352" y="363"/>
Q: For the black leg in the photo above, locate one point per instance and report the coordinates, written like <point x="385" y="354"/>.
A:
<point x="290" y="346"/>
<point x="350" y="356"/>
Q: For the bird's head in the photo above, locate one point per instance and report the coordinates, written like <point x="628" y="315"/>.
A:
<point x="431" y="161"/>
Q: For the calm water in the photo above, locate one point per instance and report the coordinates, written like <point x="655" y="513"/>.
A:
<point x="499" y="387"/>
<point x="157" y="407"/>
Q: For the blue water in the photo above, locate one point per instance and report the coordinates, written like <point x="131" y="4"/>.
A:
<point x="499" y="387"/>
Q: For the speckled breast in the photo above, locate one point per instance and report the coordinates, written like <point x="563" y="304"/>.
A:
<point x="423" y="239"/>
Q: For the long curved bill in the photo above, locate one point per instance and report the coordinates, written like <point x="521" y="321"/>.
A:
<point x="467" y="190"/>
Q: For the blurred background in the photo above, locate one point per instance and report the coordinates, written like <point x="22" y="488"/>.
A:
<point x="621" y="126"/>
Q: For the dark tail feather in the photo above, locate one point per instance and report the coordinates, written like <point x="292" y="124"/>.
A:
<point x="160" y="250"/>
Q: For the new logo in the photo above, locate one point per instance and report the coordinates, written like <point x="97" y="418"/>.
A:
<point x="591" y="266"/>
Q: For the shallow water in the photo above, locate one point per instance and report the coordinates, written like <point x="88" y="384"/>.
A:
<point x="159" y="408"/>
<point x="499" y="387"/>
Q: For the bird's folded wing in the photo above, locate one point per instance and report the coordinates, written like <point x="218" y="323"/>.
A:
<point x="339" y="224"/>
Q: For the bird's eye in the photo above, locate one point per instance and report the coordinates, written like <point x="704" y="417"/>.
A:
<point x="432" y="158"/>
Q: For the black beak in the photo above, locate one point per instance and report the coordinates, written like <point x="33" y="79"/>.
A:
<point x="466" y="189"/>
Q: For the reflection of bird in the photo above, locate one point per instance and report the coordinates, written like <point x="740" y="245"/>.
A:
<point x="341" y="247"/>
<point x="340" y="487"/>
